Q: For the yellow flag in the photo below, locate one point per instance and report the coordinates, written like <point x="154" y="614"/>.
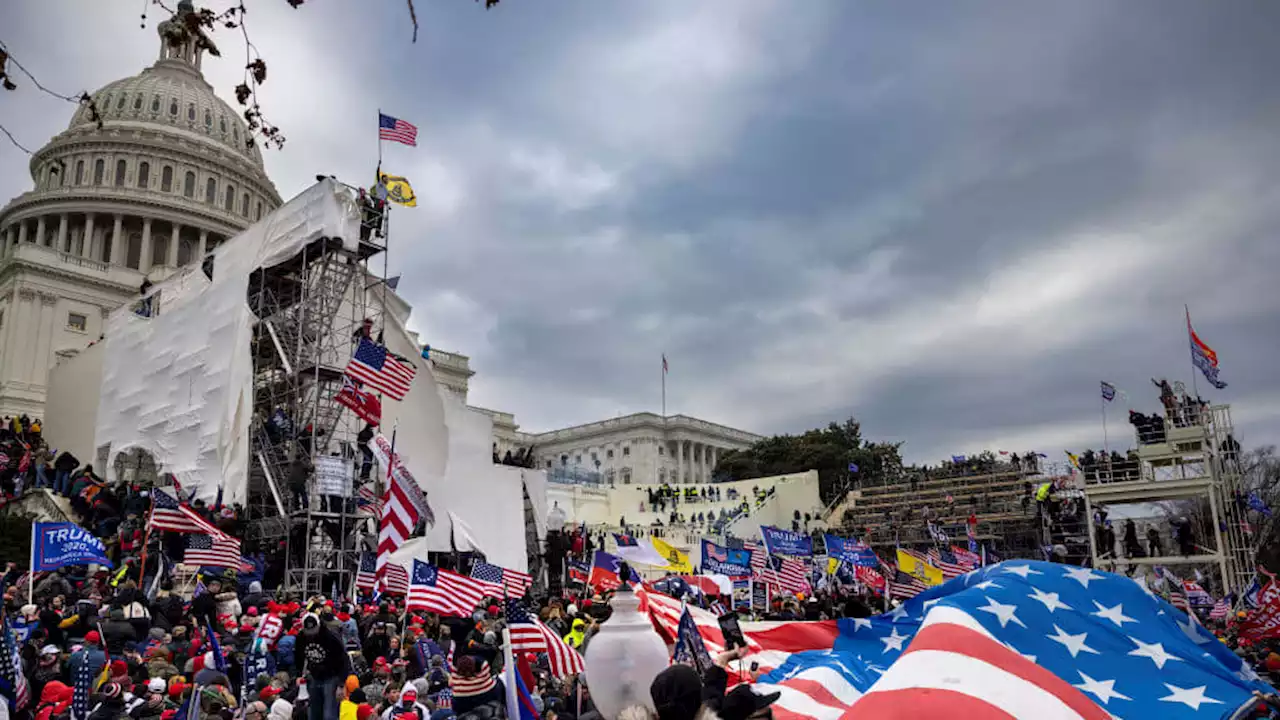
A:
<point x="677" y="561"/>
<point x="922" y="571"/>
<point x="833" y="564"/>
<point x="399" y="190"/>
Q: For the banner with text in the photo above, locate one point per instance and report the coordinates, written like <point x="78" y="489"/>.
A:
<point x="722" y="560"/>
<point x="851" y="551"/>
<point x="784" y="542"/>
<point x="1265" y="621"/>
<point x="58" y="544"/>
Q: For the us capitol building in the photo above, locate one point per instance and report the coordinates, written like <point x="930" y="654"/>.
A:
<point x="169" y="176"/>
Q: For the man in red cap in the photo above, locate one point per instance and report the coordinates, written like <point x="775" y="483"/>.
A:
<point x="91" y="654"/>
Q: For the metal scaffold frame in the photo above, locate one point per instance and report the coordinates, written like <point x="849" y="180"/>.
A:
<point x="1191" y="457"/>
<point x="309" y="309"/>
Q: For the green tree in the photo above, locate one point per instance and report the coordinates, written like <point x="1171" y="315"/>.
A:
<point x="828" y="450"/>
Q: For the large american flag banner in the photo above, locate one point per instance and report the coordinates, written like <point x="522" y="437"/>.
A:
<point x="503" y="581"/>
<point x="528" y="634"/>
<point x="1104" y="645"/>
<point x="213" y="551"/>
<point x="167" y="513"/>
<point x="375" y="367"/>
<point x="366" y="574"/>
<point x="399" y="512"/>
<point x="443" y="591"/>
<point x="15" y="680"/>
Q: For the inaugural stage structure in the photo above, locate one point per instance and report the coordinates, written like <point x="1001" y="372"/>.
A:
<point x="1193" y="456"/>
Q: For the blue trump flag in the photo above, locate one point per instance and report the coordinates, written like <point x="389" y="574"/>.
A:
<point x="58" y="544"/>
<point x="851" y="551"/>
<point x="784" y="542"/>
<point x="1125" y="649"/>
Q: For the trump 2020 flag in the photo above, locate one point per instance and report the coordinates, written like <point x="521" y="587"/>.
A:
<point x="57" y="544"/>
<point x="1021" y="639"/>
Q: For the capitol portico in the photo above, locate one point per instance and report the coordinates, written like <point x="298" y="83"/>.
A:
<point x="168" y="176"/>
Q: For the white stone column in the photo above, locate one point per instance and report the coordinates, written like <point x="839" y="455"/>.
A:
<point x="42" y="350"/>
<point x="171" y="256"/>
<point x="40" y="230"/>
<point x="61" y="242"/>
<point x="22" y="231"/>
<point x="25" y="318"/>
<point x="204" y="243"/>
<point x="117" y="242"/>
<point x="679" y="461"/>
<point x="86" y="247"/>
<point x="144" y="261"/>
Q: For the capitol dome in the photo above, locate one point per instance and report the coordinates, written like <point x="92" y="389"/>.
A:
<point x="162" y="175"/>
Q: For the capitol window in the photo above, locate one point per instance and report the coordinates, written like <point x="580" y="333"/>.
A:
<point x="121" y="101"/>
<point x="609" y="455"/>
<point x="99" y="171"/>
<point x="229" y="200"/>
<point x="155" y="103"/>
<point x="191" y="112"/>
<point x="244" y="205"/>
<point x="166" y="179"/>
<point x="258" y="211"/>
<point x="77" y="322"/>
<point x="661" y="450"/>
<point x="173" y="108"/>
<point x="79" y="172"/>
<point x="137" y="102"/>
<point x="577" y="460"/>
<point x="144" y="174"/>
<point x="626" y="451"/>
<point x="222" y="124"/>
<point x="189" y="185"/>
<point x="121" y="167"/>
<point x="208" y="119"/>
<point x="211" y="191"/>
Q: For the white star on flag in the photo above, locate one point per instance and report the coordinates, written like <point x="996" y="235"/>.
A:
<point x="1050" y="600"/>
<point x="1021" y="570"/>
<point x="1114" y="614"/>
<point x="1004" y="613"/>
<point x="1073" y="643"/>
<point x="1081" y="575"/>
<point x="1154" y="651"/>
<point x="1103" y="689"/>
<point x="987" y="585"/>
<point x="859" y="623"/>
<point x="1191" y="697"/>
<point x="894" y="641"/>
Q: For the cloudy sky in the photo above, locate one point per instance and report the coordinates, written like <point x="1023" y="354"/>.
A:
<point x="949" y="220"/>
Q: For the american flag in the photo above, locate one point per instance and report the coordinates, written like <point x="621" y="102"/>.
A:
<point x="375" y="367"/>
<point x="397" y="130"/>
<point x="507" y="582"/>
<point x="11" y="668"/>
<point x="528" y="634"/>
<point x="395" y="579"/>
<point x="213" y="551"/>
<point x="443" y="699"/>
<point x="791" y="574"/>
<point x="400" y="513"/>
<point x="968" y="560"/>
<point x="364" y="404"/>
<point x="367" y="500"/>
<point x="945" y="561"/>
<point x="902" y="585"/>
<point x="82" y="682"/>
<point x="443" y="591"/>
<point x="1221" y="609"/>
<point x="169" y="514"/>
<point x="1095" y="645"/>
<point x="366" y="577"/>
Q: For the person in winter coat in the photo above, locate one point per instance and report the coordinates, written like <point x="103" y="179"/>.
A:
<point x="63" y="466"/>
<point x="55" y="700"/>
<point x="408" y="703"/>
<point x="90" y="653"/>
<point x="117" y="631"/>
<point x="111" y="705"/>
<point x="205" y="608"/>
<point x="322" y="659"/>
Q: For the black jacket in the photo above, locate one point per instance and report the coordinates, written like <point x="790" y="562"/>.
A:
<point x="323" y="656"/>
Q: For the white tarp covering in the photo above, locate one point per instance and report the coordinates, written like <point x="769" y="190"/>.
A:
<point x="179" y="384"/>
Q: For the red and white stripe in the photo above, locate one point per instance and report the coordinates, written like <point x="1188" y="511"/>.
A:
<point x="1220" y="610"/>
<point x="949" y="570"/>
<point x="954" y="668"/>
<point x="453" y="594"/>
<point x="399" y="517"/>
<point x="968" y="560"/>
<point x="536" y="637"/>
<point x="395" y="579"/>
<point x="182" y="520"/>
<point x="815" y="693"/>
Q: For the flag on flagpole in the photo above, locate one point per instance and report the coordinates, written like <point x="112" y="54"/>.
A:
<point x="399" y="191"/>
<point x="1108" y="391"/>
<point x="397" y="130"/>
<point x="380" y="370"/>
<point x="363" y="403"/>
<point x="1203" y="356"/>
<point x="665" y="368"/>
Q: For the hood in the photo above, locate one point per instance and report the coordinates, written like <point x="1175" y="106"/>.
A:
<point x="55" y="692"/>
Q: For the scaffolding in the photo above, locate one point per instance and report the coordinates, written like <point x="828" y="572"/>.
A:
<point x="309" y="311"/>
<point x="1188" y="454"/>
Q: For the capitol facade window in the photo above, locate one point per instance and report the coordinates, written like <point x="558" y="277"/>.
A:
<point x="173" y="108"/>
<point x="155" y="104"/>
<point x="121" y="168"/>
<point x="166" y="179"/>
<point x="121" y="101"/>
<point x="208" y="119"/>
<point x="137" y="101"/>
<point x="244" y="205"/>
<point x="144" y="174"/>
<point x="77" y="322"/>
<point x="79" y="172"/>
<point x="189" y="185"/>
<point x="99" y="171"/>
<point x="211" y="191"/>
<point x="191" y="112"/>
<point x="229" y="200"/>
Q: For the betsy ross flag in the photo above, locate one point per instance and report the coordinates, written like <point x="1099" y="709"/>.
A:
<point x="1203" y="356"/>
<point x="1102" y="647"/>
<point x="397" y="130"/>
<point x="364" y="404"/>
<point x="507" y="582"/>
<point x="169" y="514"/>
<point x="528" y="634"/>
<point x="381" y="371"/>
<point x="213" y="551"/>
<point x="443" y="591"/>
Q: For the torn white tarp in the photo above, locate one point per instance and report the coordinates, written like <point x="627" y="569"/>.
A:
<point x="179" y="384"/>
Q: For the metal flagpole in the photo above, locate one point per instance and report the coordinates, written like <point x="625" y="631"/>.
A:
<point x="664" y="386"/>
<point x="1106" y="446"/>
<point x="31" y="570"/>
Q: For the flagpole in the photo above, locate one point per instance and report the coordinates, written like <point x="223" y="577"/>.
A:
<point x="1194" y="386"/>
<point x="1102" y="405"/>
<point x="146" y="538"/>
<point x="664" y="387"/>
<point x="31" y="569"/>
